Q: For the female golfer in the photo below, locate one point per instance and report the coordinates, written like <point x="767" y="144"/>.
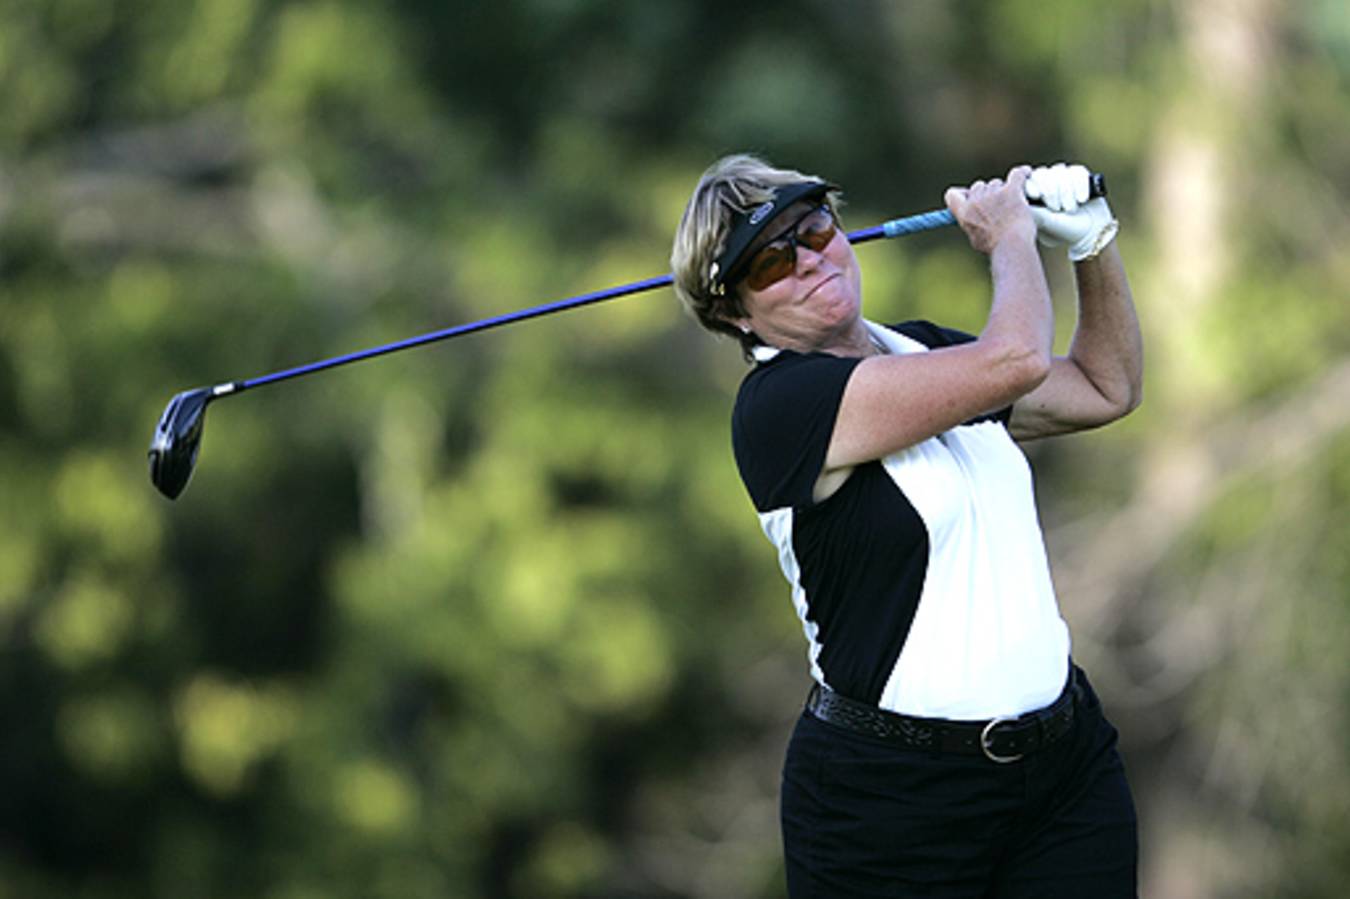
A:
<point x="949" y="745"/>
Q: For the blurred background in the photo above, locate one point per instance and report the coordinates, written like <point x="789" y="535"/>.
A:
<point x="495" y="618"/>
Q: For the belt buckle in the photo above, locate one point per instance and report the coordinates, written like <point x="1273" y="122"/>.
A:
<point x="989" y="752"/>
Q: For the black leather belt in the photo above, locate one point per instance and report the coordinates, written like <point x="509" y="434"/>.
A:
<point x="1000" y="740"/>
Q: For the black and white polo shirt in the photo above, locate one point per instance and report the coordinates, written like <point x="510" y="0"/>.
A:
<point x="922" y="584"/>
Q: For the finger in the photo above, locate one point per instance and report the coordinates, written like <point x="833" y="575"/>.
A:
<point x="1064" y="199"/>
<point x="1034" y="187"/>
<point x="955" y="198"/>
<point x="1080" y="181"/>
<point x="1017" y="179"/>
<point x="1049" y="186"/>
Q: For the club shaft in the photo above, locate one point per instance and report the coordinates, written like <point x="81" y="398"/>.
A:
<point x="456" y="331"/>
<point x="924" y="221"/>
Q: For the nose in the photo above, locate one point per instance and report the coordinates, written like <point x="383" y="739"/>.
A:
<point x="807" y="258"/>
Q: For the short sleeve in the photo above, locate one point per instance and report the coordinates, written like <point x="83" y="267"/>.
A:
<point x="782" y="424"/>
<point x="931" y="335"/>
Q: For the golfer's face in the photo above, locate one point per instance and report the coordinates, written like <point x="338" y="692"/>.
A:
<point x="819" y="295"/>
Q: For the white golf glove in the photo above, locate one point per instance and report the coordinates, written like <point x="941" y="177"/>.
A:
<point x="1069" y="217"/>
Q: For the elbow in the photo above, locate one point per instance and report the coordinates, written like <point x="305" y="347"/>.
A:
<point x="1035" y="368"/>
<point x="1023" y="366"/>
<point x="1121" y="401"/>
<point x="1133" y="399"/>
<point x="1136" y="382"/>
<point x="1130" y="394"/>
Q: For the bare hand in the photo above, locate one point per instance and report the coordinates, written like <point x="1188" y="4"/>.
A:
<point x="993" y="211"/>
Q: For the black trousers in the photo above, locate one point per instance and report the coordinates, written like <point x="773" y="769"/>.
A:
<point x="864" y="818"/>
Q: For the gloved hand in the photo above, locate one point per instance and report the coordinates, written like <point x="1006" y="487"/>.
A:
<point x="1068" y="216"/>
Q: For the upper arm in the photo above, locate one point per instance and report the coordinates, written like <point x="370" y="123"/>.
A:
<point x="891" y="402"/>
<point x="1066" y="401"/>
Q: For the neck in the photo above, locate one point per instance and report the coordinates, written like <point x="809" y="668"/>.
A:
<point x="857" y="342"/>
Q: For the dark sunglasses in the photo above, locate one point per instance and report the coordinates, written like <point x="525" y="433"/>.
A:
<point x="778" y="258"/>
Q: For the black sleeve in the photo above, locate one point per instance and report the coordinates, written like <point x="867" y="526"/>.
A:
<point x="931" y="335"/>
<point x="782" y="425"/>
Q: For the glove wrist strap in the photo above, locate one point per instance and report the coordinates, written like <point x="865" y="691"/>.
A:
<point x="1093" y="244"/>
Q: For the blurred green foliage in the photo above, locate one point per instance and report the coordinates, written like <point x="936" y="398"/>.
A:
<point x="495" y="618"/>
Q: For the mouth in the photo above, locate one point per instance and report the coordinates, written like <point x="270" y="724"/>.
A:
<point x="826" y="280"/>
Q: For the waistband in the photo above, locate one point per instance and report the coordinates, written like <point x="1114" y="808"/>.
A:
<point x="1000" y="740"/>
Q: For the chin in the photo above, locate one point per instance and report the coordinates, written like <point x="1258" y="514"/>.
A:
<point x="843" y="307"/>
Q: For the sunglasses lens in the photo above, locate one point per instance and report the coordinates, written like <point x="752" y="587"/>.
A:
<point x="771" y="264"/>
<point x="817" y="231"/>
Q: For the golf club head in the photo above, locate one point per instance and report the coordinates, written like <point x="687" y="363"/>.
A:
<point x="178" y="436"/>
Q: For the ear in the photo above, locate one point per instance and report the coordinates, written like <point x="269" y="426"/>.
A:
<point x="740" y="323"/>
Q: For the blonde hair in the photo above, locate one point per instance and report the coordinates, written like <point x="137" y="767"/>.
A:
<point x="731" y="185"/>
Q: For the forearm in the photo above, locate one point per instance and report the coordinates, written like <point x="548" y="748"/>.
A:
<point x="1020" y="315"/>
<point x="1107" y="345"/>
<point x="1012" y="354"/>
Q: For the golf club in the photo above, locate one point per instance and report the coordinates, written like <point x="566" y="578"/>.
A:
<point x="178" y="436"/>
